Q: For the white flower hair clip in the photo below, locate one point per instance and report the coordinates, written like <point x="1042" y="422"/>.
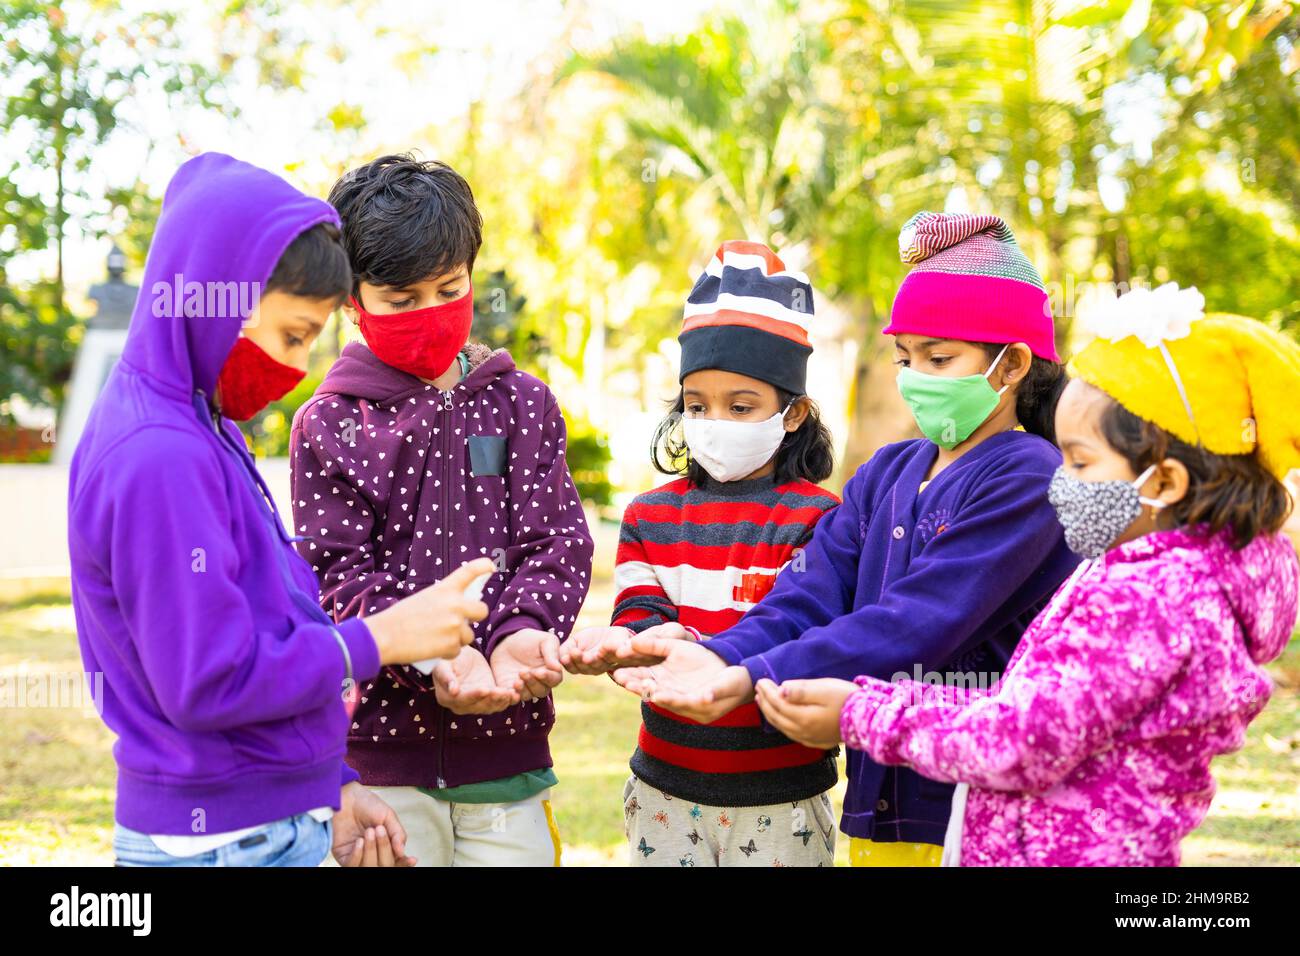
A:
<point x="1153" y="316"/>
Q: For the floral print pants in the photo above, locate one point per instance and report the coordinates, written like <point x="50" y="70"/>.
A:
<point x="665" y="831"/>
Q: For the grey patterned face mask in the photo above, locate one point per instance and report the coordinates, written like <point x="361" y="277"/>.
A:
<point x="1095" y="513"/>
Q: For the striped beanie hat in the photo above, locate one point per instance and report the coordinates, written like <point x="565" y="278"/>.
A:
<point x="747" y="314"/>
<point x="970" y="281"/>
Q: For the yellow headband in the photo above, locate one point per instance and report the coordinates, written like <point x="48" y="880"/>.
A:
<point x="1226" y="382"/>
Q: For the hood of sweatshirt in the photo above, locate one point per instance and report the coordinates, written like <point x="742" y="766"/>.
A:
<point x="221" y="676"/>
<point x="1257" y="583"/>
<point x="223" y="227"/>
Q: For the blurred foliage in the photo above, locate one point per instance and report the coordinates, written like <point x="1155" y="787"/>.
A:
<point x="1254" y="270"/>
<point x="1124" y="140"/>
<point x="268" y="431"/>
<point x="588" y="459"/>
<point x="39" y="343"/>
<point x="66" y="78"/>
<point x="138" y="209"/>
<point x="823" y="126"/>
<point x="498" y="313"/>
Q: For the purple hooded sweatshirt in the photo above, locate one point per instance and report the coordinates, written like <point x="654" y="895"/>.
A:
<point x="223" y="679"/>
<point x="395" y="484"/>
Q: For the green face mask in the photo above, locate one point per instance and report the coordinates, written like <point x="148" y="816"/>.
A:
<point x="948" y="410"/>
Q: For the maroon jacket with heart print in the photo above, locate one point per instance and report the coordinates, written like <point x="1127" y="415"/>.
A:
<point x="395" y="483"/>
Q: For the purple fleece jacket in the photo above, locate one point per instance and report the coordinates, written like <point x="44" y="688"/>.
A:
<point x="395" y="484"/>
<point x="895" y="579"/>
<point x="222" y="678"/>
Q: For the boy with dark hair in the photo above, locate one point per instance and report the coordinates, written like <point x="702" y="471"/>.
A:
<point x="419" y="451"/>
<point x="222" y="679"/>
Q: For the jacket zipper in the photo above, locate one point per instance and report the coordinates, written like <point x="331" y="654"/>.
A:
<point x="444" y="503"/>
<point x="213" y="420"/>
<point x="297" y="598"/>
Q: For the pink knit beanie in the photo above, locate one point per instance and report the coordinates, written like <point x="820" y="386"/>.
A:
<point x="970" y="281"/>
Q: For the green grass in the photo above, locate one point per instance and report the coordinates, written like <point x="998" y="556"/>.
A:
<point x="57" y="773"/>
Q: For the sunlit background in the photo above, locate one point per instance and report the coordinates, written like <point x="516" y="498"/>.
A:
<point x="611" y="147"/>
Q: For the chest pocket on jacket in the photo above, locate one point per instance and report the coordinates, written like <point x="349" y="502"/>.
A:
<point x="487" y="455"/>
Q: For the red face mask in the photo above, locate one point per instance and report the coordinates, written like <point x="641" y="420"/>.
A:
<point x="423" y="342"/>
<point x="250" y="380"/>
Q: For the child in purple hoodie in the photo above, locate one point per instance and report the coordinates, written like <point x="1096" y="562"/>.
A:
<point x="222" y="679"/>
<point x="420" y="451"/>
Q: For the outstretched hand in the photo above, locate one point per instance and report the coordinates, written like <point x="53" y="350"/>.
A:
<point x="466" y="685"/>
<point x="528" y="663"/>
<point x="367" y="831"/>
<point x="598" y="650"/>
<point x="593" y="650"/>
<point x="689" y="679"/>
<point x="806" y="711"/>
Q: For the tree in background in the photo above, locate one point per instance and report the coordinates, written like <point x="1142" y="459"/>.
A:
<point x="76" y="76"/>
<point x="1124" y="140"/>
<point x="66" y="78"/>
<point x="775" y="141"/>
<point x="1216" y="203"/>
<point x="828" y="124"/>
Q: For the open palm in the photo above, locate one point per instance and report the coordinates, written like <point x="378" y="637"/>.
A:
<point x="686" y="667"/>
<point x="465" y="685"/>
<point x="529" y="662"/>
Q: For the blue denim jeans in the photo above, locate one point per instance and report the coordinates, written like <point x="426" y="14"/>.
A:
<point x="293" y="841"/>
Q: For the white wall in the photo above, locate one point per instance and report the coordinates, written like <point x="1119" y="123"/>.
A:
<point x="34" y="516"/>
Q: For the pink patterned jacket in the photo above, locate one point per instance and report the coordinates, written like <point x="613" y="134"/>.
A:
<point x="1094" y="748"/>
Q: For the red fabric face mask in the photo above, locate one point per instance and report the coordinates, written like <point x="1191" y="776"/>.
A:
<point x="423" y="342"/>
<point x="250" y="380"/>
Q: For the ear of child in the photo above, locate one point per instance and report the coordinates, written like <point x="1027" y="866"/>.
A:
<point x="797" y="414"/>
<point x="1169" y="483"/>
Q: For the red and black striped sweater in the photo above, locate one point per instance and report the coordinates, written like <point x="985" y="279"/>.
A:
<point x="703" y="558"/>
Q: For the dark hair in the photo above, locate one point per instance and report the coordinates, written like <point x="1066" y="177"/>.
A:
<point x="807" y="452"/>
<point x="1224" y="491"/>
<point x="405" y="220"/>
<point x="1037" y="393"/>
<point x="314" y="266"/>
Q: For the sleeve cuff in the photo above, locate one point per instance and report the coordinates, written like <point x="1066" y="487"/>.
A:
<point x="349" y="775"/>
<point x="874" y="690"/>
<point x="726" y="651"/>
<point x="860" y="708"/>
<point x="758" y="668"/>
<point x="361" y="647"/>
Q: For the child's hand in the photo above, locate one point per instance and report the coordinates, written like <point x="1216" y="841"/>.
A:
<point x="670" y="630"/>
<point x="713" y="701"/>
<point x="466" y="685"/>
<point x="434" y="622"/>
<point x="594" y="650"/>
<point x="690" y="679"/>
<point x="367" y="831"/>
<point x="528" y="661"/>
<point x="628" y="655"/>
<point x="806" y="711"/>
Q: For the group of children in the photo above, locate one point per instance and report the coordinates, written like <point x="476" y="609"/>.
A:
<point x="1102" y="551"/>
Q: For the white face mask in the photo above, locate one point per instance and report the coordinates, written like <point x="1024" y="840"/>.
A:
<point x="730" y="450"/>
